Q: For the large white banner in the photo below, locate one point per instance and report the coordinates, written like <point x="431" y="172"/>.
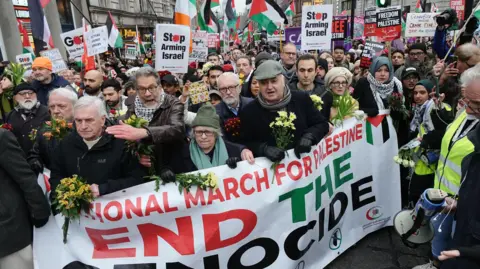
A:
<point x="420" y="24"/>
<point x="317" y="27"/>
<point x="73" y="42"/>
<point x="306" y="213"/>
<point x="173" y="45"/>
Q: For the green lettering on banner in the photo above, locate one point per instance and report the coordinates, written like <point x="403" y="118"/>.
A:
<point x="368" y="130"/>
<point x="299" y="213"/>
<point x="339" y="169"/>
<point x="319" y="188"/>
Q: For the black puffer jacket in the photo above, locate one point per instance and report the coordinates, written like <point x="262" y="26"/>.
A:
<point x="319" y="90"/>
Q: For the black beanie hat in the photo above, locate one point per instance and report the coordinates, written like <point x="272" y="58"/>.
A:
<point x="262" y="57"/>
<point x="323" y="64"/>
<point x="24" y="86"/>
<point x="419" y="46"/>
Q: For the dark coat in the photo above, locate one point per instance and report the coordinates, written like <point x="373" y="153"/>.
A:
<point x="167" y="129"/>
<point x="320" y="90"/>
<point x="107" y="163"/>
<point x="44" y="89"/>
<point x="41" y="154"/>
<point x="225" y="113"/>
<point x="366" y="100"/>
<point x="233" y="150"/>
<point x="256" y="120"/>
<point x="467" y="231"/>
<point x="22" y="128"/>
<point x="21" y="198"/>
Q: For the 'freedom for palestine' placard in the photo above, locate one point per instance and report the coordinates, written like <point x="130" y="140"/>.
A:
<point x="389" y="23"/>
<point x="317" y="27"/>
<point x="173" y="45"/>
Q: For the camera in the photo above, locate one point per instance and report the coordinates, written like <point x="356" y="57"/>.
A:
<point x="448" y="16"/>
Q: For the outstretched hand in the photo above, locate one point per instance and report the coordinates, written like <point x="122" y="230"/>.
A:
<point x="127" y="132"/>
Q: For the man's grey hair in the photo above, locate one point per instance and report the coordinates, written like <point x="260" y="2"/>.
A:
<point x="147" y="71"/>
<point x="89" y="101"/>
<point x="470" y="75"/>
<point x="227" y="75"/>
<point x="64" y="92"/>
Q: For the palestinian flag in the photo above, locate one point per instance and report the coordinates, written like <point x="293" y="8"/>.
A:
<point x="266" y="13"/>
<point x="27" y="47"/>
<point x="138" y="41"/>
<point x="114" y="38"/>
<point x="476" y="12"/>
<point x="206" y="19"/>
<point x="290" y="12"/>
<point x="40" y="30"/>
<point x="215" y="3"/>
<point x="418" y="7"/>
<point x="233" y="20"/>
<point x="434" y="8"/>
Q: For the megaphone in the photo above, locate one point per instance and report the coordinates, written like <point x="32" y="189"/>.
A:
<point x="414" y="226"/>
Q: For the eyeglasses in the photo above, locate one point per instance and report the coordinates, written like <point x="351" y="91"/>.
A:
<point x="152" y="89"/>
<point x="475" y="109"/>
<point x="231" y="89"/>
<point x="415" y="54"/>
<point x="338" y="84"/>
<point x="290" y="53"/>
<point x="23" y="94"/>
<point x="201" y="133"/>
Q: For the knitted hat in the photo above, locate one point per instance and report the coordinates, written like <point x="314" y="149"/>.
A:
<point x="427" y="84"/>
<point x="419" y="46"/>
<point x="323" y="64"/>
<point x="23" y="86"/>
<point x="42" y="62"/>
<point x="338" y="72"/>
<point x="207" y="116"/>
<point x="262" y="57"/>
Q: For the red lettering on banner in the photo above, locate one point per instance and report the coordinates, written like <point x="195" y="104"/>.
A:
<point x="231" y="187"/>
<point x="183" y="242"/>
<point x="307" y="165"/>
<point x="100" y="244"/>
<point x="278" y="174"/>
<point x="359" y="132"/>
<point x="328" y="146"/>
<point x="315" y="157"/>
<point x="106" y="211"/>
<point x="152" y="205"/>
<point x="290" y="170"/>
<point x="211" y="224"/>
<point x="215" y="196"/>
<point x="242" y="184"/>
<point x="199" y="198"/>
<point x="98" y="211"/>
<point x="136" y="209"/>
<point x="336" y="143"/>
<point x="166" y="205"/>
<point x="261" y="180"/>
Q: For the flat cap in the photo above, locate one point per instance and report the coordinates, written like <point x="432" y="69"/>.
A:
<point x="268" y="69"/>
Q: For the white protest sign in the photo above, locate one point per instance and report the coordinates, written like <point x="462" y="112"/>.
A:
<point x="97" y="40"/>
<point x="420" y="25"/>
<point x="173" y="45"/>
<point x="73" y="42"/>
<point x="130" y="51"/>
<point x="58" y="64"/>
<point x="200" y="46"/>
<point x="307" y="212"/>
<point x="25" y="60"/>
<point x="279" y="33"/>
<point x="317" y="27"/>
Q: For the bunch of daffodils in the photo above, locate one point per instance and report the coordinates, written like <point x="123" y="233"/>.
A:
<point x="317" y="101"/>
<point x="283" y="129"/>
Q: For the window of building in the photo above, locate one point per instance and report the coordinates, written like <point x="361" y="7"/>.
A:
<point x="346" y="5"/>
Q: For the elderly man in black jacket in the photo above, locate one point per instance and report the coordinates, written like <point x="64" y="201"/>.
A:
<point x="29" y="114"/>
<point x="275" y="95"/>
<point x="21" y="201"/>
<point x="101" y="159"/>
<point x="232" y="103"/>
<point x="60" y="105"/>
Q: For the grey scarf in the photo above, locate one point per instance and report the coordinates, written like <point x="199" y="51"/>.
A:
<point x="383" y="91"/>
<point x="144" y="112"/>
<point x="278" y="106"/>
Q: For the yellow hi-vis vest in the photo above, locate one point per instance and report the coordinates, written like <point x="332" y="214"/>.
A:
<point x="449" y="168"/>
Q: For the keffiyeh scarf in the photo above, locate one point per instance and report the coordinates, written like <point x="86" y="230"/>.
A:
<point x="422" y="116"/>
<point x="382" y="91"/>
<point x="144" y="112"/>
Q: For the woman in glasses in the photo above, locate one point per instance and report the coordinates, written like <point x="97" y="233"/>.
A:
<point x="338" y="81"/>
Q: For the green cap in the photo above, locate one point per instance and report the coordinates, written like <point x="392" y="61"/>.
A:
<point x="207" y="116"/>
<point x="268" y="69"/>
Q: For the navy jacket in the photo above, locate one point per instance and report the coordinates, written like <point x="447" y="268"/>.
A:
<point x="225" y="113"/>
<point x="44" y="89"/>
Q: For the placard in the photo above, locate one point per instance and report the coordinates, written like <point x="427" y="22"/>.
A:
<point x="73" y="42"/>
<point x="58" y="64"/>
<point x="420" y="25"/>
<point x="26" y="60"/>
<point x="214" y="39"/>
<point x="370" y="22"/>
<point x="198" y="92"/>
<point x="278" y="34"/>
<point x="339" y="28"/>
<point x="389" y="23"/>
<point x="173" y="45"/>
<point x="459" y="7"/>
<point x="317" y="27"/>
<point x="130" y="51"/>
<point x="293" y="35"/>
<point x="200" y="46"/>
<point x="370" y="51"/>
<point x="97" y="40"/>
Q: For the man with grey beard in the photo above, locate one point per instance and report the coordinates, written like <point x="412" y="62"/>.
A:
<point x="29" y="114"/>
<point x="417" y="57"/>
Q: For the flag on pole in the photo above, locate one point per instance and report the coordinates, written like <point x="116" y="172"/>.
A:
<point x="215" y="3"/>
<point x="114" y="38"/>
<point x="138" y="41"/>
<point x="233" y="19"/>
<point x="27" y="47"/>
<point x="434" y="8"/>
<point x="38" y="21"/>
<point x="183" y="11"/>
<point x="266" y="13"/>
<point x="418" y="7"/>
<point x="476" y="11"/>
<point x="206" y="19"/>
<point x="87" y="61"/>
<point x="290" y="12"/>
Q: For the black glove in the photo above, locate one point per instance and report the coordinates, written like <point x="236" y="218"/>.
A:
<point x="232" y="162"/>
<point x="274" y="154"/>
<point x="40" y="222"/>
<point x="167" y="175"/>
<point x="304" y="145"/>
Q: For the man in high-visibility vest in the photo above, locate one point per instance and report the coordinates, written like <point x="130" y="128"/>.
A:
<point x="455" y="146"/>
